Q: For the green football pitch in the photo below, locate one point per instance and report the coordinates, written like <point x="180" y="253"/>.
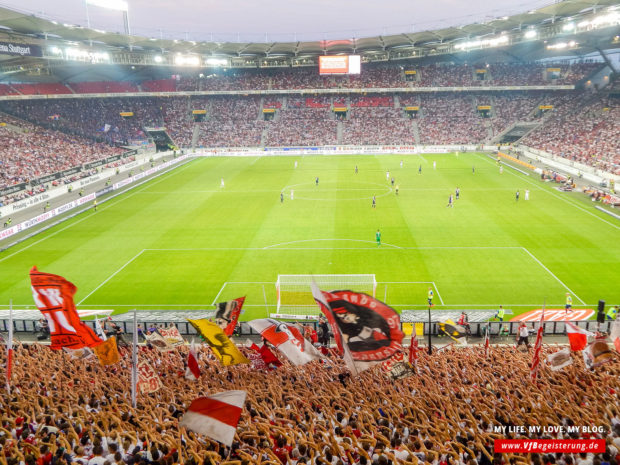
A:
<point x="183" y="242"/>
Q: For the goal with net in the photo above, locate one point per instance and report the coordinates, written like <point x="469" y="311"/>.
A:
<point x="294" y="293"/>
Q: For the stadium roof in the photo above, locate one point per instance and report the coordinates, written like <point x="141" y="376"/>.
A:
<point x="15" y="24"/>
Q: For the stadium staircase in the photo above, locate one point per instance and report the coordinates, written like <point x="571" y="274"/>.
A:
<point x="416" y="131"/>
<point x="68" y="86"/>
<point x="195" y="135"/>
<point x="263" y="137"/>
<point x="396" y="101"/>
<point x="340" y="133"/>
<point x="515" y="131"/>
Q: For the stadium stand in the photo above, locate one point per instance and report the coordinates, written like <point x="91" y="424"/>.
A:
<point x="583" y="128"/>
<point x="28" y="151"/>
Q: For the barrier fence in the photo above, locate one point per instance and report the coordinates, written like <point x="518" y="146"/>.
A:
<point x="25" y="321"/>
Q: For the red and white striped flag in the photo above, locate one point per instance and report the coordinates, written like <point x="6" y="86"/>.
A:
<point x="538" y="347"/>
<point x="193" y="370"/>
<point x="215" y="416"/>
<point x="577" y="337"/>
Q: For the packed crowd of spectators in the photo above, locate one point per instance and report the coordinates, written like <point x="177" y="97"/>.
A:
<point x="583" y="129"/>
<point x="450" y="119"/>
<point x="580" y="126"/>
<point x="63" y="411"/>
<point x="306" y="121"/>
<point x="232" y="122"/>
<point x="28" y="151"/>
<point x="510" y="107"/>
<point x="381" y="125"/>
<point x="98" y="118"/>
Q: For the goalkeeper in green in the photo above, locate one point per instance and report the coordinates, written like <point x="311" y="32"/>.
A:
<point x="378" y="237"/>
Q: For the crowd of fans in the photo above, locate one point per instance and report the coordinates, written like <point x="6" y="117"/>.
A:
<point x="63" y="411"/>
<point x="303" y="126"/>
<point x="584" y="129"/>
<point x="373" y="75"/>
<point x="232" y="122"/>
<point x="371" y="126"/>
<point x="450" y="119"/>
<point x="580" y="126"/>
<point x="98" y="118"/>
<point x="28" y="151"/>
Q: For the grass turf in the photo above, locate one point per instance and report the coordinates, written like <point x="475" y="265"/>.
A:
<point x="181" y="240"/>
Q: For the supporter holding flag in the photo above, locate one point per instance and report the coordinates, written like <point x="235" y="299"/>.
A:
<point x="577" y="337"/>
<point x="193" y="370"/>
<point x="538" y="347"/>
<point x="53" y="296"/>
<point x="227" y="314"/>
<point x="366" y="330"/>
<point x="266" y="355"/>
<point x="216" y="416"/>
<point x="222" y="347"/>
<point x="287" y="339"/>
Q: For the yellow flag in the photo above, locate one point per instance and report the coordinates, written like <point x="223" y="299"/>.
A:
<point x="106" y="352"/>
<point x="222" y="347"/>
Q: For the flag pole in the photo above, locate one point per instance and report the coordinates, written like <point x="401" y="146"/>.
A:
<point x="134" y="360"/>
<point x="9" y="349"/>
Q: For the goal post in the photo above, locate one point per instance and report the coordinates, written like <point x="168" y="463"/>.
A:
<point x="294" y="294"/>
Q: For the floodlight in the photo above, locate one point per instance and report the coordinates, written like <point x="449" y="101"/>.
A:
<point x="568" y="27"/>
<point x="530" y="34"/>
<point x="158" y="59"/>
<point x="118" y="5"/>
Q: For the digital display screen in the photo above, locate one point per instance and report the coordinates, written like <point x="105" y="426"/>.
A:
<point x="340" y="64"/>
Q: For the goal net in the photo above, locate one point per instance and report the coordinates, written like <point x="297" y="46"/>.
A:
<point x="295" y="295"/>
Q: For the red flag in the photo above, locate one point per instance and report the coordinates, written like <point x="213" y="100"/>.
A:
<point x="9" y="351"/>
<point x="227" y="314"/>
<point x="366" y="330"/>
<point x="577" y="337"/>
<point x="413" y="349"/>
<point x="53" y="296"/>
<point x="216" y="416"/>
<point x="288" y="340"/>
<point x="487" y="342"/>
<point x="262" y="358"/>
<point x="537" y="347"/>
<point x="193" y="370"/>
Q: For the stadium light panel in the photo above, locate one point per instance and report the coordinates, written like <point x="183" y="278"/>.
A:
<point x="118" y="5"/>
<point x="158" y="59"/>
<point x="568" y="27"/>
<point x="530" y="34"/>
<point x="217" y="61"/>
<point x="183" y="60"/>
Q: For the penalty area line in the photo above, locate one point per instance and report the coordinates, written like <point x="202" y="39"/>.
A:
<point x="111" y="276"/>
<point x="552" y="274"/>
<point x="438" y="294"/>
<point x="218" y="294"/>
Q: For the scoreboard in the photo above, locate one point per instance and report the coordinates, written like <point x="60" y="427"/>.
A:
<point x="340" y="64"/>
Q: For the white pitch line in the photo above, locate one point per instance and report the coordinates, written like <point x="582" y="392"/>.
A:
<point x="319" y="240"/>
<point x="103" y="207"/>
<point x="111" y="276"/>
<point x="559" y="197"/>
<point x="551" y="273"/>
<point x="218" y="294"/>
<point x="438" y="294"/>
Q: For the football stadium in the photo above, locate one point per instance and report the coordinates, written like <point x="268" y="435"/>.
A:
<point x="399" y="248"/>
